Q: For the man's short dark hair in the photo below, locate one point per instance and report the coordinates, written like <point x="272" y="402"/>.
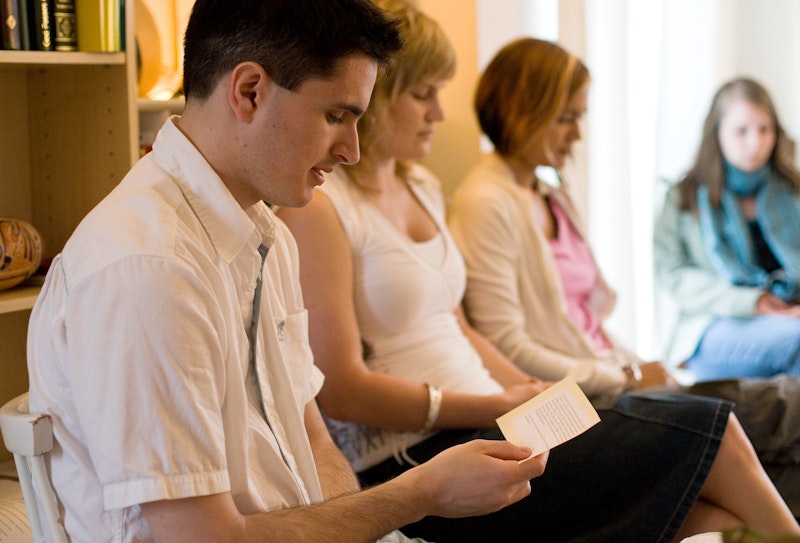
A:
<point x="294" y="40"/>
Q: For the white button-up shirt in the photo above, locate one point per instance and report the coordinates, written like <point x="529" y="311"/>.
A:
<point x="138" y="347"/>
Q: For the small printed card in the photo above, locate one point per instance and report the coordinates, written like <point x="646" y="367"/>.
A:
<point x="550" y="418"/>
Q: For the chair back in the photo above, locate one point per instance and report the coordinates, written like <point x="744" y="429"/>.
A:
<point x="29" y="437"/>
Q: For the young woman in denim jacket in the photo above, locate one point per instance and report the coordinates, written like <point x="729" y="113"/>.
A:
<point x="727" y="244"/>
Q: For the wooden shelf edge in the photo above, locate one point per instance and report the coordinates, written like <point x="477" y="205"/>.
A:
<point x="44" y="58"/>
<point x="18" y="298"/>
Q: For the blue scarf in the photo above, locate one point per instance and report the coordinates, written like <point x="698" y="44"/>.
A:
<point x="743" y="183"/>
<point x="727" y="239"/>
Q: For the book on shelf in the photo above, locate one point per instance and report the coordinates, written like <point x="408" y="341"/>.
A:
<point x="41" y="23"/>
<point x="66" y="28"/>
<point x="63" y="25"/>
<point x="13" y="15"/>
<point x="100" y="25"/>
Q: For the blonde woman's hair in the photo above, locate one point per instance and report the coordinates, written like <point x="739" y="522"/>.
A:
<point x="708" y="170"/>
<point x="426" y="53"/>
<point x="524" y="89"/>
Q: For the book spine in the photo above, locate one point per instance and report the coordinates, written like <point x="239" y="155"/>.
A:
<point x="111" y="21"/>
<point x="121" y="24"/>
<point x="41" y="24"/>
<point x="24" y="25"/>
<point x="66" y="34"/>
<point x="98" y="24"/>
<point x="11" y="24"/>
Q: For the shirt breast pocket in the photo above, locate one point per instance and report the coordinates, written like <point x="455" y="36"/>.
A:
<point x="292" y="333"/>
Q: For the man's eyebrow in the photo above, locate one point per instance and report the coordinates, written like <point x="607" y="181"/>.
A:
<point x="355" y="110"/>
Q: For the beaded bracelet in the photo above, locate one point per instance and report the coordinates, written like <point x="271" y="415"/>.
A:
<point x="434" y="403"/>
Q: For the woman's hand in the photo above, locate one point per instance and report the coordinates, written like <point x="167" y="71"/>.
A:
<point x="544" y="385"/>
<point x="655" y="374"/>
<point x="769" y="304"/>
<point x="518" y="394"/>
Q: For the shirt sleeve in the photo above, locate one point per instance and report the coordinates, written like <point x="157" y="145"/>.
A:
<point x="146" y="368"/>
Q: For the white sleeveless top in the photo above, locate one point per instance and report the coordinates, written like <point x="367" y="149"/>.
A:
<point x="405" y="295"/>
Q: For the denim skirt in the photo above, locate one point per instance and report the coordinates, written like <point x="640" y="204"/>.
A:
<point x="631" y="478"/>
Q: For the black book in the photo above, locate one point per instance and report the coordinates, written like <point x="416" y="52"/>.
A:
<point x="14" y="24"/>
<point x="66" y="34"/>
<point x="41" y="22"/>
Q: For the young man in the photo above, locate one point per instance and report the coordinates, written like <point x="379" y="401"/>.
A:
<point x="173" y="421"/>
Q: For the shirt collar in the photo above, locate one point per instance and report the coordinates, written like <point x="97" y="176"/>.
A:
<point x="229" y="227"/>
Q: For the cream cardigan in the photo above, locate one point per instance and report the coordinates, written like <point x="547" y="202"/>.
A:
<point x="514" y="293"/>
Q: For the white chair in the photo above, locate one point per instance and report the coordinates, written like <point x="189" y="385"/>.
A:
<point x="29" y="436"/>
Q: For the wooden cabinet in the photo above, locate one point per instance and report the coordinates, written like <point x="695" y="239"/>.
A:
<point x="69" y="131"/>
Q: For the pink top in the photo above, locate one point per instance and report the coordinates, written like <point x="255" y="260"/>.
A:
<point x="578" y="274"/>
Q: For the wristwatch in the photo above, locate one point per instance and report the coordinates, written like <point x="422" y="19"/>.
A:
<point x="634" y="373"/>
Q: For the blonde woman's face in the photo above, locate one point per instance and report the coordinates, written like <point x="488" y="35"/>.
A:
<point x="746" y="134"/>
<point x="413" y="116"/>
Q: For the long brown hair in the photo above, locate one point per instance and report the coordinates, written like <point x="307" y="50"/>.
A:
<point x="708" y="170"/>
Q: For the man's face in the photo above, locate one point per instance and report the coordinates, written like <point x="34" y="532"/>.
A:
<point x="303" y="133"/>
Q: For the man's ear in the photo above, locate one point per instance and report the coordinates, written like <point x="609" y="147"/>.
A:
<point x="247" y="89"/>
